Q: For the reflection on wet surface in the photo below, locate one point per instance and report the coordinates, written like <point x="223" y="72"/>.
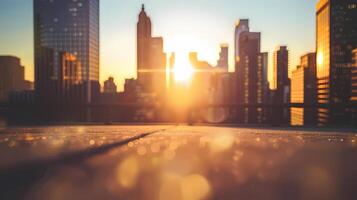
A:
<point x="181" y="163"/>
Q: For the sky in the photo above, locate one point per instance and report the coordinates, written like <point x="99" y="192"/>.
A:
<point x="185" y="25"/>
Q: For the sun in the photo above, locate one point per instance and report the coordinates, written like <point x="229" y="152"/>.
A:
<point x="183" y="70"/>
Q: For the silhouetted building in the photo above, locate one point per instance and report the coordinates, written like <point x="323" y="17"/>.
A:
<point x="201" y="83"/>
<point x="303" y="90"/>
<point x="158" y="65"/>
<point x="131" y="89"/>
<point x="12" y="77"/>
<point x="222" y="80"/>
<point x="151" y="60"/>
<point x="281" y="84"/>
<point x="66" y="51"/>
<point x="264" y="60"/>
<point x="354" y="76"/>
<point x="250" y="78"/>
<point x="336" y="38"/>
<point x="222" y="63"/>
<point x="354" y="85"/>
<point x="110" y="86"/>
<point x="225" y="87"/>
<point x="29" y="85"/>
<point x="222" y="91"/>
<point x="241" y="26"/>
<point x="24" y="97"/>
<point x="199" y="65"/>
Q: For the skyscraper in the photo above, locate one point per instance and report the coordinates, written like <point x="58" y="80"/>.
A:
<point x="249" y="77"/>
<point x="354" y="85"/>
<point x="264" y="57"/>
<point x="336" y="38"/>
<point x="222" y="63"/>
<point x="151" y="60"/>
<point x="66" y="50"/>
<point x="264" y="61"/>
<point x="281" y="84"/>
<point x="202" y="81"/>
<point x="143" y="47"/>
<point x="281" y="73"/>
<point x="354" y="76"/>
<point x="241" y="26"/>
<point x="12" y="76"/>
<point x="303" y="90"/>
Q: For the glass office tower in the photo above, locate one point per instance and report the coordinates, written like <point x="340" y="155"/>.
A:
<point x="336" y="38"/>
<point x="66" y="36"/>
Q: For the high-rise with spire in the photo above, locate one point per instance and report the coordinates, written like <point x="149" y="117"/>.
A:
<point x="151" y="60"/>
<point x="143" y="43"/>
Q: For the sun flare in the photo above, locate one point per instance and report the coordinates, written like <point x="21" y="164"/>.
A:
<point x="183" y="70"/>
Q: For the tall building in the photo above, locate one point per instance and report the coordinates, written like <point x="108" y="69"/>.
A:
<point x="335" y="39"/>
<point x="264" y="61"/>
<point x="202" y="81"/>
<point x="241" y="26"/>
<point x="151" y="60"/>
<point x="66" y="51"/>
<point x="281" y="73"/>
<point x="354" y="76"/>
<point x="354" y="85"/>
<point x="303" y="90"/>
<point x="264" y="57"/>
<point x="250" y="77"/>
<point x="281" y="84"/>
<point x="12" y="76"/>
<point x="222" y="63"/>
<point x="110" y="86"/>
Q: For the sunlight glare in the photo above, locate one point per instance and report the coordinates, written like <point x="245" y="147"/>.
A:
<point x="183" y="70"/>
<point x="320" y="59"/>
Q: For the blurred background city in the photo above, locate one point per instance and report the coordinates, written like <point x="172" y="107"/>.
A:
<point x="299" y="69"/>
<point x="178" y="100"/>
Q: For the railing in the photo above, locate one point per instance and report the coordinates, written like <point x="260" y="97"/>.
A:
<point x="259" y="105"/>
<point x="135" y="112"/>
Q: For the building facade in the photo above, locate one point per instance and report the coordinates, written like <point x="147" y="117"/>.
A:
<point x="281" y="84"/>
<point x="241" y="26"/>
<point x="354" y="85"/>
<point x="336" y="37"/>
<point x="151" y="59"/>
<point x="203" y="81"/>
<point x="110" y="86"/>
<point x="66" y="37"/>
<point x="12" y="77"/>
<point x="264" y="57"/>
<point x="222" y="63"/>
<point x="354" y="76"/>
<point x="303" y="90"/>
<point x="250" y="78"/>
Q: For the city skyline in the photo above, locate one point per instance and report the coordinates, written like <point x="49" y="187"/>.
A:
<point x="189" y="33"/>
